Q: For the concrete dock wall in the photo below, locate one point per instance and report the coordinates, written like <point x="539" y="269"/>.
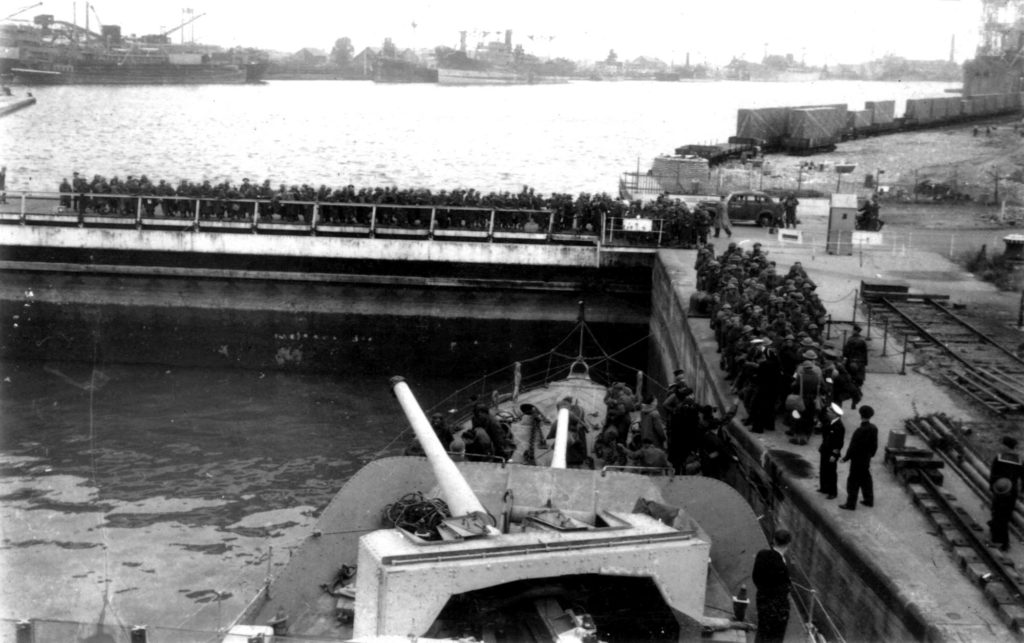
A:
<point x="378" y="249"/>
<point x="859" y="597"/>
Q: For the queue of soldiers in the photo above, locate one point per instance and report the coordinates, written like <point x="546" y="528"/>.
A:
<point x="525" y="210"/>
<point x="769" y="328"/>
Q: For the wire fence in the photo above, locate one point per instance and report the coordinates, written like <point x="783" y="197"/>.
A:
<point x="822" y="181"/>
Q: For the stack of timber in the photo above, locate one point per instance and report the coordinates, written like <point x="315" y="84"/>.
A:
<point x="680" y="174"/>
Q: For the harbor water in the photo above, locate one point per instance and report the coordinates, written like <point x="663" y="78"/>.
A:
<point x="164" y="494"/>
<point x="570" y="138"/>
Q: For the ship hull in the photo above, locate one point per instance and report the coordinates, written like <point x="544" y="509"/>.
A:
<point x="494" y="77"/>
<point x="155" y="74"/>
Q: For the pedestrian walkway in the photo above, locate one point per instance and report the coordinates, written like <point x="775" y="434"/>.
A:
<point x="893" y="535"/>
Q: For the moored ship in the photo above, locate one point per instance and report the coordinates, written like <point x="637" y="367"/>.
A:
<point x="54" y="52"/>
<point x="493" y="63"/>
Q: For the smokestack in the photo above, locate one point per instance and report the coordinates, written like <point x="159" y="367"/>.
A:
<point x="952" y="48"/>
<point x="462" y="41"/>
<point x="508" y="39"/>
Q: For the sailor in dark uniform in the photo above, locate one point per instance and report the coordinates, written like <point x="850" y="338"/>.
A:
<point x="1004" y="479"/>
<point x="832" y="437"/>
<point x="771" y="578"/>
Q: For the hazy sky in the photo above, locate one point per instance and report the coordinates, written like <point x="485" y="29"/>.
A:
<point x="821" y="31"/>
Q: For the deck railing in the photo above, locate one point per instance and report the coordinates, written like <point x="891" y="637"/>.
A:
<point x="292" y="217"/>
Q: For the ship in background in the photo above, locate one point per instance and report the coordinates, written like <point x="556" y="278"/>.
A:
<point x="493" y="63"/>
<point x="998" y="66"/>
<point x="779" y="69"/>
<point x="53" y="52"/>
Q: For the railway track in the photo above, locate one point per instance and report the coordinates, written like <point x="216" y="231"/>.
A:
<point x="961" y="354"/>
<point x="986" y="566"/>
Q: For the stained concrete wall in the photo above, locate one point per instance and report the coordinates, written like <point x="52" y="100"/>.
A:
<point x="860" y="597"/>
<point x="306" y="246"/>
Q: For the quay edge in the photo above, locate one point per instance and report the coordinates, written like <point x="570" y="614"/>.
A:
<point x="870" y="591"/>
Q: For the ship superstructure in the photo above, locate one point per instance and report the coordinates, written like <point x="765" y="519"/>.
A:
<point x="50" y="51"/>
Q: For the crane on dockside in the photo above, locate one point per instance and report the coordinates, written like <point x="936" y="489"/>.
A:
<point x="20" y="11"/>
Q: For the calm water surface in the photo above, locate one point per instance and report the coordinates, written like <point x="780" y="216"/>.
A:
<point x="557" y="138"/>
<point x="134" y="494"/>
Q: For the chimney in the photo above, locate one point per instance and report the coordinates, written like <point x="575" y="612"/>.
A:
<point x="508" y="39"/>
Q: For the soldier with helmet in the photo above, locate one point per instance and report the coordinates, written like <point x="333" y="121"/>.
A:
<point x="1004" y="480"/>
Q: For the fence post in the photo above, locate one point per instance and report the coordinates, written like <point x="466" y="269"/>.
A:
<point x="856" y="294"/>
<point x="885" y="335"/>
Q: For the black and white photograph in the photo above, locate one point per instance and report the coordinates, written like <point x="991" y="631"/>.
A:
<point x="511" y="322"/>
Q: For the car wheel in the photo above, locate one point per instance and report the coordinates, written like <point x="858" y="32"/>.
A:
<point x="765" y="220"/>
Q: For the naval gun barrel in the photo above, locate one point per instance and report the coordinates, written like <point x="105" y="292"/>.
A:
<point x="561" y="436"/>
<point x="454" y="488"/>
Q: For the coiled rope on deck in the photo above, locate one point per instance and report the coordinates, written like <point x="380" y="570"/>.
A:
<point x="417" y="514"/>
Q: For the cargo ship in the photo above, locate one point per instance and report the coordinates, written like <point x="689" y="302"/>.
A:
<point x="54" y="52"/>
<point x="492" y="63"/>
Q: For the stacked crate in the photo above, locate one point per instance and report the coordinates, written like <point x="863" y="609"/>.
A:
<point x="680" y="175"/>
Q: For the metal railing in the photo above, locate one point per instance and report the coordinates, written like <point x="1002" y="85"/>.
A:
<point x="328" y="218"/>
<point x="293" y="217"/>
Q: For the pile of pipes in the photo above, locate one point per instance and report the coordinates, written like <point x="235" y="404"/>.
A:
<point x="943" y="435"/>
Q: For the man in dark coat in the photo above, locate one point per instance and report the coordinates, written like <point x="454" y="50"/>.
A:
<point x="1004" y="480"/>
<point x="863" y="446"/>
<point x="831" y="448"/>
<point x="855" y="353"/>
<point x="771" y="578"/>
<point x="789" y="205"/>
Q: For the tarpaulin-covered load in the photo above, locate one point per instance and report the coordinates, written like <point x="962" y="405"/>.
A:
<point x="820" y="126"/>
<point x="967" y="106"/>
<point x="939" y="112"/>
<point x="952" y="106"/>
<point x="767" y="124"/>
<point x="919" y="110"/>
<point x="857" y="119"/>
<point x="882" y="111"/>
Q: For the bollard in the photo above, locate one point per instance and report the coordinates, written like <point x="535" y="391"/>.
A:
<point x="740" y="602"/>
<point x="138" y="634"/>
<point x="24" y="632"/>
<point x="885" y="335"/>
<point x="868" y="316"/>
<point x="903" y="366"/>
